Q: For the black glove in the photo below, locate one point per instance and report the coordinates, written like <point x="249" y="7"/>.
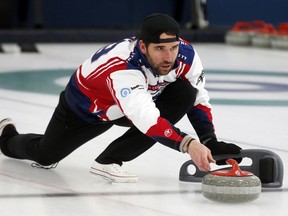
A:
<point x="220" y="147"/>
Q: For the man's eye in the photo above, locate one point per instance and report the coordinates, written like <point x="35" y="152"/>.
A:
<point x="174" y="47"/>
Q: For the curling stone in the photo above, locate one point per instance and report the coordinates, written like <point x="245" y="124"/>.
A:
<point x="280" y="41"/>
<point x="262" y="40"/>
<point x="240" y="34"/>
<point x="266" y="165"/>
<point x="263" y="36"/>
<point x="233" y="186"/>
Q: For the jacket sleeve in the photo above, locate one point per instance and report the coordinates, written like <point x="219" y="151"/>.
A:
<point x="200" y="114"/>
<point x="129" y="89"/>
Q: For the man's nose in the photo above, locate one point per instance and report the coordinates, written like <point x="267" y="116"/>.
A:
<point x="168" y="56"/>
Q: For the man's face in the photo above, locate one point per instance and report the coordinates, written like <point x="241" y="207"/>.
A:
<point x="161" y="56"/>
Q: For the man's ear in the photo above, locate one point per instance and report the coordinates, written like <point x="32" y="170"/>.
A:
<point x="142" y="46"/>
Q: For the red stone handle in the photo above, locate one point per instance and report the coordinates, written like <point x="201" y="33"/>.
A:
<point x="235" y="170"/>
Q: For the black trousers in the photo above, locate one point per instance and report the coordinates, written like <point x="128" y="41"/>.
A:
<point x="66" y="131"/>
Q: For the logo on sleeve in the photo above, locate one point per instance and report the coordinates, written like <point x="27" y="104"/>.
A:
<point x="124" y="92"/>
<point x="168" y="132"/>
<point x="200" y="78"/>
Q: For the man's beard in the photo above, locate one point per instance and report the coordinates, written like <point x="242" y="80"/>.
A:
<point x="161" y="69"/>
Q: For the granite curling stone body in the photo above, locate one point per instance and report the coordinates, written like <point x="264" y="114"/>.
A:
<point x="231" y="186"/>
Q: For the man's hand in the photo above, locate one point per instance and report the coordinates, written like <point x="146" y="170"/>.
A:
<point x="200" y="155"/>
<point x="219" y="147"/>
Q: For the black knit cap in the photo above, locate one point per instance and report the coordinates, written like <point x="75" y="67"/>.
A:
<point x="156" y="24"/>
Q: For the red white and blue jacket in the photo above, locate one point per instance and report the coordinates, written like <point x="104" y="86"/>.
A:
<point x="117" y="81"/>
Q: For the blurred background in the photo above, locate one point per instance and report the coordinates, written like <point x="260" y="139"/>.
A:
<point x="109" y="20"/>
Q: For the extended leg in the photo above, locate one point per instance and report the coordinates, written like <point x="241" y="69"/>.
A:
<point x="65" y="133"/>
